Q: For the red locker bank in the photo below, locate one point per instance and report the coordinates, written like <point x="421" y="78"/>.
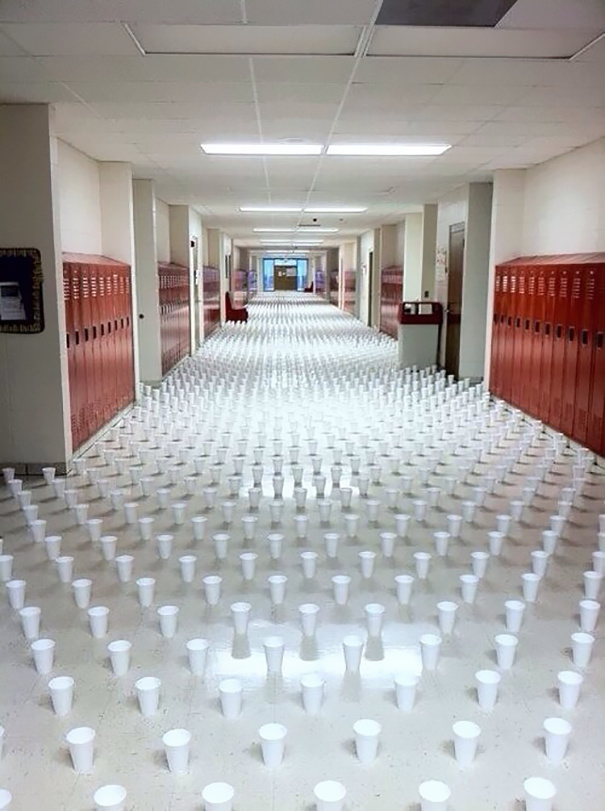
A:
<point x="98" y="324"/>
<point x="175" y="331"/>
<point x="548" y="353"/>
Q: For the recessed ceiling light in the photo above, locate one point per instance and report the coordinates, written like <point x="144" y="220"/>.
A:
<point x="313" y="229"/>
<point x="272" y="209"/>
<point x="372" y="150"/>
<point x="262" y="149"/>
<point x="273" y="230"/>
<point x="292" y="244"/>
<point x="335" y="209"/>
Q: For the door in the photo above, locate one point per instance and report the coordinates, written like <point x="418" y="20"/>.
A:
<point x="454" y="299"/>
<point x="370" y="286"/>
<point x="284" y="277"/>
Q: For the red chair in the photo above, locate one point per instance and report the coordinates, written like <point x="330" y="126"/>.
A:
<point x="234" y="313"/>
<point x="310" y="288"/>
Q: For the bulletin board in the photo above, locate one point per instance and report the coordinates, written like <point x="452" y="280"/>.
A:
<point x="21" y="302"/>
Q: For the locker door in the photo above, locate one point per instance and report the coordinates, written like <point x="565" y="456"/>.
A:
<point x="495" y="371"/>
<point x="95" y="382"/>
<point x="518" y="303"/>
<point x="506" y="322"/>
<point x="129" y="383"/>
<point x="574" y="322"/>
<point x="100" y="334"/>
<point x="558" y="349"/>
<point x="548" y="339"/>
<point x="585" y="353"/>
<point x="595" y="435"/>
<point x="527" y="316"/>
<point x="71" y="359"/>
<point x="79" y="352"/>
<point x="537" y="336"/>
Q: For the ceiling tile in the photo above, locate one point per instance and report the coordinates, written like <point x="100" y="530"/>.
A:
<point x="72" y="39"/>
<point x="583" y="14"/>
<point x="393" y="70"/>
<point x="126" y="92"/>
<point x="163" y="110"/>
<point x="295" y="12"/>
<point x="33" y="93"/>
<point x="311" y="69"/>
<point x="203" y="12"/>
<point x="8" y="47"/>
<point x="478" y="94"/>
<point x="21" y="69"/>
<point x="159" y="68"/>
<point x="327" y="92"/>
<point x="377" y="95"/>
<point x="248" y="39"/>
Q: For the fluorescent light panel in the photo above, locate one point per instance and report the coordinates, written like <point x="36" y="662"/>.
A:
<point x="307" y="210"/>
<point x="293" y="244"/>
<point x="263" y="149"/>
<point x="273" y="230"/>
<point x="335" y="209"/>
<point x="393" y="150"/>
<point x="271" y="209"/>
<point x="303" y="229"/>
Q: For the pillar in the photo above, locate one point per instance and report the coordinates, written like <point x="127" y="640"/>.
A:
<point x="413" y="254"/>
<point x="181" y="254"/>
<point x="34" y="389"/>
<point x="148" y="294"/>
<point x="216" y="259"/>
<point x="429" y="250"/>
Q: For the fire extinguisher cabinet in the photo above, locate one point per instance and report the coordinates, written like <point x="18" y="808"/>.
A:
<point x="419" y="332"/>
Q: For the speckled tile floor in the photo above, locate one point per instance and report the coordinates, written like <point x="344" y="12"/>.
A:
<point x="301" y="372"/>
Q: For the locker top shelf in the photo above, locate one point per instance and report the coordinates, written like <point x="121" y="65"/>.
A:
<point x="91" y="259"/>
<point x="557" y="259"/>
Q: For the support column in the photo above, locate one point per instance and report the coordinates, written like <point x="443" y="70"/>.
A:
<point x="429" y="250"/>
<point x="181" y="254"/>
<point x="216" y="259"/>
<point x="34" y="392"/>
<point x="413" y="255"/>
<point x="150" y="350"/>
<point x="117" y="229"/>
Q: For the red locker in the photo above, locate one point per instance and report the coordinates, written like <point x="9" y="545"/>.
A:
<point x="71" y="357"/>
<point x="129" y="386"/>
<point x="574" y="321"/>
<point x="79" y="351"/>
<point x="587" y="328"/>
<point x="495" y="370"/>
<point x="527" y="314"/>
<point x="506" y="336"/>
<point x="548" y="342"/>
<point x="595" y="434"/>
<point x="537" y="339"/>
<point x="558" y="350"/>
<point x="518" y="303"/>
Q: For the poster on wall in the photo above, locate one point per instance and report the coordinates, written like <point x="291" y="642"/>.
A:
<point x="21" y="304"/>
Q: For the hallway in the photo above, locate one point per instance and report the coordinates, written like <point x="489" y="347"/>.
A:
<point x="294" y="433"/>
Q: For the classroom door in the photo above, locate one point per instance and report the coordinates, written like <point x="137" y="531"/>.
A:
<point x="454" y="299"/>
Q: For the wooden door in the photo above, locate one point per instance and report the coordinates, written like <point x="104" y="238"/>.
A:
<point x="454" y="299"/>
<point x="284" y="277"/>
<point x="370" y="286"/>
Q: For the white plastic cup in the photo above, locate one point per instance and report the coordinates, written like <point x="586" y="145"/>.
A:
<point x="340" y="587"/>
<point x="406" y="685"/>
<point x="402" y="521"/>
<point x="119" y="655"/>
<point x="539" y="562"/>
<point x="367" y="736"/>
<point x="569" y="683"/>
<point x="331" y="540"/>
<point x="488" y="682"/>
<point x="514" y="610"/>
<point x="82" y="590"/>
<point x="94" y="527"/>
<point x="111" y="797"/>
<point x="312" y="687"/>
<point x="168" y="617"/>
<point x="367" y="560"/>
<point x="403" y="584"/>
<point x="351" y="525"/>
<point x="198" y="522"/>
<point x="164" y="545"/>
<point x="557" y="732"/>
<point x="52" y="544"/>
<point x="178" y="513"/>
<point x="352" y="646"/>
<point x="442" y="540"/>
<point x="98" y="617"/>
<point x="454" y="525"/>
<point x="221" y="544"/>
<point x="131" y="512"/>
<point x="581" y="646"/>
<point x="387" y="544"/>
<point x="145" y="524"/>
<point x="187" y="566"/>
<point x="43" y="651"/>
<point x="503" y="524"/>
<point x="248" y="562"/>
<point x="240" y="615"/>
<point x="273" y="742"/>
<point x="592" y="584"/>
<point x="301" y="524"/>
<point x="61" y="694"/>
<point x="309" y="564"/>
<point x="309" y="613"/>
<point x="38" y="530"/>
<point x="197" y="653"/>
<point x="231" y="693"/>
<point x="15" y="591"/>
<point x="276" y="540"/>
<point x="495" y="541"/>
<point x="249" y="523"/>
<point x="479" y="561"/>
<point x="429" y="649"/>
<point x="447" y="616"/>
<point x="124" y="566"/>
<point x="81" y="742"/>
<point x="374" y="617"/>
<point x="30" y="621"/>
<point x="506" y="648"/>
<point x="277" y="588"/>
<point x="65" y="565"/>
<point x="177" y="744"/>
<point x="468" y="587"/>
<point x="434" y="795"/>
<point x="557" y="524"/>
<point x="148" y="694"/>
<point x="274" y="647"/>
<point x="422" y="561"/>
<point x="530" y="584"/>
<point x="539" y="794"/>
<point x="589" y="615"/>
<point x="598" y="562"/>
<point x="466" y="739"/>
<point x="329" y="795"/>
<point x="218" y="797"/>
<point x="145" y="589"/>
<point x="549" y="541"/>
<point x="212" y="589"/>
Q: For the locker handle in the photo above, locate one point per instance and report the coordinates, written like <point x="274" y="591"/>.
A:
<point x="77" y="338"/>
<point x="518" y="323"/>
<point x="94" y="333"/>
<point x="547" y="329"/>
<point x="584" y="337"/>
<point x="67" y="340"/>
<point x="536" y="326"/>
<point x="559" y="331"/>
<point x="115" y="324"/>
<point x="109" y="327"/>
<point x="571" y="334"/>
<point x="85" y="334"/>
<point x="599" y="339"/>
<point x="526" y="324"/>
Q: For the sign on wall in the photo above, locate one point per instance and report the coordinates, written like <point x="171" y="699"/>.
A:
<point x="21" y="303"/>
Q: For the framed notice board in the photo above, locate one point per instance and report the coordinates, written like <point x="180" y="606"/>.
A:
<point x="21" y="303"/>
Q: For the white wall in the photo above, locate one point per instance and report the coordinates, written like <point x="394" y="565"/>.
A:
<point x="162" y="231"/>
<point x="564" y="209"/>
<point x="79" y="201"/>
<point x="452" y="209"/>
